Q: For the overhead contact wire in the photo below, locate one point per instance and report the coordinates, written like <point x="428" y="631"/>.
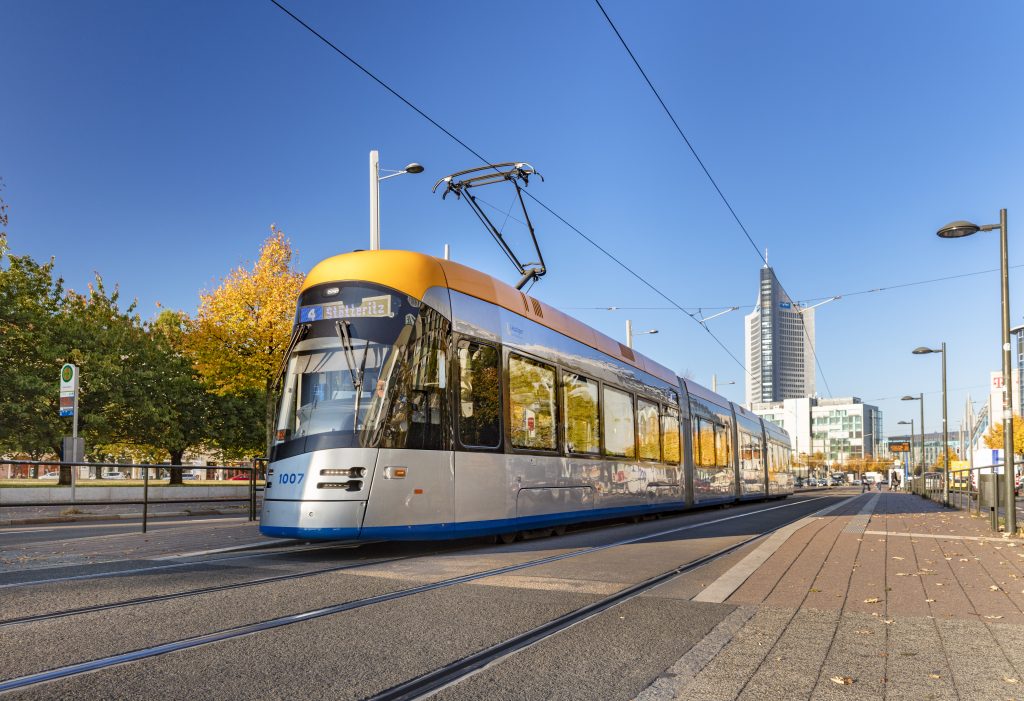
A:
<point x="711" y="178"/>
<point x="473" y="151"/>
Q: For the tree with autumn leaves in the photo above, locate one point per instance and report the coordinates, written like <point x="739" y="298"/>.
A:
<point x="242" y="329"/>
<point x="994" y="436"/>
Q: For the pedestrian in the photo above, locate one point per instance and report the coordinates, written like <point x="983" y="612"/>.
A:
<point x="879" y="485"/>
<point x="864" y="485"/>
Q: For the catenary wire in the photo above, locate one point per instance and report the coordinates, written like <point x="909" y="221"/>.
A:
<point x="462" y="143"/>
<point x="757" y="250"/>
<point x="886" y="288"/>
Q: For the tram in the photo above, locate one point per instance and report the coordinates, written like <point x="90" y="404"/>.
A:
<point x="422" y="399"/>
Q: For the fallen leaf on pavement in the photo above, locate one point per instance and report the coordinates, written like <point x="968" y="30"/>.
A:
<point x="929" y="601"/>
<point x="888" y="621"/>
<point x="935" y="676"/>
<point x="842" y="680"/>
<point x="993" y="617"/>
<point x="993" y="587"/>
<point x="897" y="557"/>
<point x="872" y="600"/>
<point x="1010" y="680"/>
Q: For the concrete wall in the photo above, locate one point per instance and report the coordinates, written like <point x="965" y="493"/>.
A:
<point x="40" y="495"/>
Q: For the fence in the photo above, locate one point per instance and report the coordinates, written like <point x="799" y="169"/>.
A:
<point x="979" y="490"/>
<point x="254" y="470"/>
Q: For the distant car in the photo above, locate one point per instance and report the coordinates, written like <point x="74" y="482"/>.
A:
<point x="114" y="475"/>
<point x="239" y="477"/>
<point x="49" y="476"/>
<point x="189" y="476"/>
<point x="856" y="482"/>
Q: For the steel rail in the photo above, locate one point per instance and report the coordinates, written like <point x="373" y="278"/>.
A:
<point x="249" y="629"/>
<point x="196" y="592"/>
<point x="451" y="674"/>
<point x="284" y="550"/>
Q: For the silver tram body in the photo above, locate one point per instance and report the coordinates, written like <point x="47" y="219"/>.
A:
<point x="425" y="400"/>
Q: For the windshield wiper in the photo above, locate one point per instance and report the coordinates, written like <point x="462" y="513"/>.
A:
<point x="350" y="360"/>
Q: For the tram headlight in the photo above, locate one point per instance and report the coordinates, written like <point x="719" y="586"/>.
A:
<point x="343" y="472"/>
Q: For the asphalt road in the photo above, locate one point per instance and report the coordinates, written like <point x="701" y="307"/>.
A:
<point x="19" y="535"/>
<point x="360" y="652"/>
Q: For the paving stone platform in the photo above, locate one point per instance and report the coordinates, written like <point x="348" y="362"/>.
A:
<point x="889" y="596"/>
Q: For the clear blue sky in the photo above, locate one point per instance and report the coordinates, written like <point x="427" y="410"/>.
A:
<point x="156" y="142"/>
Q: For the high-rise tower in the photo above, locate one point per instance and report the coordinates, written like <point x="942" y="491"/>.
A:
<point x="779" y="337"/>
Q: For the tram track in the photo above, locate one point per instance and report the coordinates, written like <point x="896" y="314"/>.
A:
<point x="456" y="670"/>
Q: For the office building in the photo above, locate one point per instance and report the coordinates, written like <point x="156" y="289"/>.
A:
<point x="779" y="338"/>
<point x="841" y="429"/>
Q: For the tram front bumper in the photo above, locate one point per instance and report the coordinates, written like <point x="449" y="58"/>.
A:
<point x="312" y="520"/>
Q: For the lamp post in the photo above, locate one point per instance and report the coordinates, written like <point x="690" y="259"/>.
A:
<point x="715" y="383"/>
<point x="630" y="333"/>
<point x="922" y="350"/>
<point x="375" y="180"/>
<point x="918" y="398"/>
<point x="910" y="457"/>
<point x="959" y="229"/>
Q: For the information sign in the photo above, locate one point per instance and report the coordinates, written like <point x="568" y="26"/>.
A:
<point x="899" y="446"/>
<point x="68" y="389"/>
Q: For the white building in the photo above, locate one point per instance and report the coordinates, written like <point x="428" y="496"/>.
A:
<point x="841" y="428"/>
<point x="778" y="345"/>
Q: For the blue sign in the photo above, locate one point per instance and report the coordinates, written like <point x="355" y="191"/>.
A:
<point x="315" y="313"/>
<point x="67" y="412"/>
<point x="785" y="305"/>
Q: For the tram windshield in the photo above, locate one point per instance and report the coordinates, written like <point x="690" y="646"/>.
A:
<point x="361" y="381"/>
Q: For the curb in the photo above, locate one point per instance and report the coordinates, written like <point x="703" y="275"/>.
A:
<point x="41" y="520"/>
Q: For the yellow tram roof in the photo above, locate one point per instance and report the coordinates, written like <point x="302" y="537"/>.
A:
<point x="414" y="273"/>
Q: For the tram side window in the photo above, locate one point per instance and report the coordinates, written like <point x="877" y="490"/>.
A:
<point x="670" y="435"/>
<point x="703" y="443"/>
<point x="479" y="395"/>
<point x="532" y="400"/>
<point x="619" y="438"/>
<point x="647" y="430"/>
<point x="722" y="446"/>
<point x="582" y="424"/>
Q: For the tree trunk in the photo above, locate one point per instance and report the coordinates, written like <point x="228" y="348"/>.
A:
<point x="176" y="456"/>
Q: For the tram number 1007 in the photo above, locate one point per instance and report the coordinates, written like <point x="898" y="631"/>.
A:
<point x="290" y="478"/>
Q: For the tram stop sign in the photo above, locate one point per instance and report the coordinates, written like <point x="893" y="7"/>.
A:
<point x="68" y="389"/>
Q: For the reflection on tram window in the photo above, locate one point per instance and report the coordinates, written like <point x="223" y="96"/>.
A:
<point x="647" y="430"/>
<point x="415" y="383"/>
<point x="479" y="395"/>
<point x="582" y="427"/>
<point x="670" y="435"/>
<point x="532" y="400"/>
<point x="619" y="439"/>
<point x="329" y="391"/>
<point x="723" y="446"/>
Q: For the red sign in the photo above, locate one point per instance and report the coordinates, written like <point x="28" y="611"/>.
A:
<point x="530" y="424"/>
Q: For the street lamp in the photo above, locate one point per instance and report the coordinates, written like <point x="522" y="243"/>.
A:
<point x="922" y="350"/>
<point x="911" y="423"/>
<point x="375" y="180"/>
<point x="918" y="398"/>
<point x="959" y="229"/>
<point x="630" y="333"/>
<point x="715" y="383"/>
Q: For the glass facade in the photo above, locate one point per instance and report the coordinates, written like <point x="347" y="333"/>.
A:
<point x="779" y="334"/>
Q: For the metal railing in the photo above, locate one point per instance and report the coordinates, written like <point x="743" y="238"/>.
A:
<point x="256" y="468"/>
<point x="977" y="490"/>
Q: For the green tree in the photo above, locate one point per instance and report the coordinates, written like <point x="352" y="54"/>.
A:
<point x="30" y="353"/>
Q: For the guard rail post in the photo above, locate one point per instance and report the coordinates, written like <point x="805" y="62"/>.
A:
<point x="145" y="499"/>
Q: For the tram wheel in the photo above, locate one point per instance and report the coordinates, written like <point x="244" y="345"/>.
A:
<point x="506" y="538"/>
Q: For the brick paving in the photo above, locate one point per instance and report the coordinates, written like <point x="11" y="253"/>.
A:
<point x="888" y="597"/>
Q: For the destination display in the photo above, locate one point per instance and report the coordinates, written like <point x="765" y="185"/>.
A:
<point x="899" y="447"/>
<point x="369" y="307"/>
